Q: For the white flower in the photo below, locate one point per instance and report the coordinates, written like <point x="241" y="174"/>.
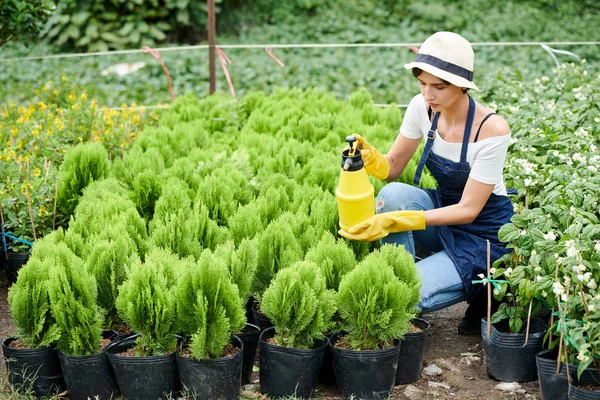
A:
<point x="538" y="278"/>
<point x="572" y="252"/>
<point x="508" y="271"/>
<point x="592" y="168"/>
<point x="582" y="356"/>
<point x="550" y="236"/>
<point x="593" y="147"/>
<point x="557" y="288"/>
<point x="563" y="297"/>
<point x="481" y="276"/>
<point x="562" y="157"/>
<point x="496" y="292"/>
<point x="544" y="294"/>
<point x="597" y="246"/>
<point x="555" y="153"/>
<point x="580" y="268"/>
<point x="527" y="182"/>
<point x="524" y="232"/>
<point x="592" y="284"/>
<point x="492" y="271"/>
<point x="538" y="269"/>
<point x="545" y="79"/>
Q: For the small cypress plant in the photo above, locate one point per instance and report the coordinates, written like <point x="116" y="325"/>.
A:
<point x="82" y="165"/>
<point x="108" y="262"/>
<point x="278" y="248"/>
<point x="373" y="306"/>
<point x="299" y="304"/>
<point x="147" y="304"/>
<point x="30" y="304"/>
<point x="209" y="306"/>
<point x="241" y="263"/>
<point x="335" y="259"/>
<point x="245" y="223"/>
<point x="73" y="296"/>
<point x="403" y="264"/>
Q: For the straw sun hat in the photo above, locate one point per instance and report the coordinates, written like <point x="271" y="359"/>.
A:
<point x="448" y="56"/>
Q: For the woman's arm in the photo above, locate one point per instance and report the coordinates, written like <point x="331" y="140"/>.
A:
<point x="474" y="197"/>
<point x="400" y="154"/>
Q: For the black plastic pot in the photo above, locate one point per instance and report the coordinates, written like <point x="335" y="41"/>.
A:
<point x="260" y="319"/>
<point x="249" y="337"/>
<point x="327" y="376"/>
<point x="35" y="369"/>
<point x="365" y="374"/>
<point x="553" y="386"/>
<point x="507" y="358"/>
<point x="589" y="377"/>
<point x="140" y="378"/>
<point x="13" y="264"/>
<point x="287" y="371"/>
<point x="213" y="378"/>
<point x="412" y="353"/>
<point x="249" y="313"/>
<point x="90" y="376"/>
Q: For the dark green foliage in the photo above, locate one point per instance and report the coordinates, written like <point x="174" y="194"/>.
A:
<point x="278" y="248"/>
<point x="73" y="296"/>
<point x="372" y="303"/>
<point x="299" y="304"/>
<point x="22" y="20"/>
<point x="29" y="302"/>
<point x="147" y="304"/>
<point x="209" y="306"/>
<point x="82" y="165"/>
<point x="403" y="264"/>
<point x="241" y="263"/>
<point x="335" y="259"/>
<point x="108" y="262"/>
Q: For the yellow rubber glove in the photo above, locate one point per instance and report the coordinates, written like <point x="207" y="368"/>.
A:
<point x="381" y="225"/>
<point x="376" y="164"/>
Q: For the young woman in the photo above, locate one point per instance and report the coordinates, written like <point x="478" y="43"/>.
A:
<point x="465" y="149"/>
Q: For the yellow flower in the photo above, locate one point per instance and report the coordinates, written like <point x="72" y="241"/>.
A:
<point x="83" y="96"/>
<point x="4" y="114"/>
<point x="21" y="110"/>
<point x="36" y="172"/>
<point x="42" y="105"/>
<point x="20" y="144"/>
<point x="44" y="89"/>
<point x="72" y="96"/>
<point x="42" y="211"/>
<point x="37" y="92"/>
<point x="55" y="92"/>
<point x="80" y="138"/>
<point x="75" y="107"/>
<point x="14" y="131"/>
<point x="35" y="132"/>
<point x="63" y="78"/>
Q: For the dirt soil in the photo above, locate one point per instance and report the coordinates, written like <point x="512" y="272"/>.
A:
<point x="460" y="359"/>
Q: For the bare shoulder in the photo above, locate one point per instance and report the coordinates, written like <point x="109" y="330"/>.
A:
<point x="494" y="126"/>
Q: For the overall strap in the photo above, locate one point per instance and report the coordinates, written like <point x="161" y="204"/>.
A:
<point x="468" y="126"/>
<point x="480" y="125"/>
<point x="427" y="149"/>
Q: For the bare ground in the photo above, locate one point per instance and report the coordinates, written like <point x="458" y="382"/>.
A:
<point x="459" y="357"/>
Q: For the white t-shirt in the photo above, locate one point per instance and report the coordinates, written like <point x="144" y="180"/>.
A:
<point x="486" y="157"/>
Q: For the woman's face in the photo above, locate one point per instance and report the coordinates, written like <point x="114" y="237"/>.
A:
<point x="437" y="94"/>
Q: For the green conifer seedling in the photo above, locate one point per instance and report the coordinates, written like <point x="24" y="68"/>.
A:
<point x="372" y="303"/>
<point x="146" y="303"/>
<point x="335" y="259"/>
<point x="30" y="304"/>
<point x="299" y="304"/>
<point x="209" y="306"/>
<point x="73" y="302"/>
<point x="241" y="263"/>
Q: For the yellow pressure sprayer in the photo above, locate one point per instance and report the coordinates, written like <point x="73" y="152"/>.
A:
<point x="354" y="194"/>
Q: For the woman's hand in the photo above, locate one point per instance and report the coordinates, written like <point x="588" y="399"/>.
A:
<point x="376" y="164"/>
<point x="381" y="225"/>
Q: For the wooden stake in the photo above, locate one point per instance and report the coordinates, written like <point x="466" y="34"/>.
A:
<point x="211" y="46"/>
<point x="562" y="328"/>
<point x="54" y="211"/>
<point x="528" y="323"/>
<point x="489" y="290"/>
<point x="29" y="209"/>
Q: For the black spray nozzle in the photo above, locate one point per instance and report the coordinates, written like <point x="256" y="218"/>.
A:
<point x="351" y="139"/>
<point x="351" y="157"/>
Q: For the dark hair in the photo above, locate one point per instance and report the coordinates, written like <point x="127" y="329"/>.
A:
<point x="417" y="71"/>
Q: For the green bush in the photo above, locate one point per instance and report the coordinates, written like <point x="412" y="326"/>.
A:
<point x="30" y="304"/>
<point x="372" y="304"/>
<point x="209" y="306"/>
<point x="73" y="302"/>
<point x="241" y="263"/>
<point x="22" y="20"/>
<point x="147" y="304"/>
<point x="335" y="259"/>
<point x="403" y="265"/>
<point x="82" y="165"/>
<point x="299" y="304"/>
<point x="245" y="223"/>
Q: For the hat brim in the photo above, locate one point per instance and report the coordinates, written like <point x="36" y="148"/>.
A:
<point x="440" y="73"/>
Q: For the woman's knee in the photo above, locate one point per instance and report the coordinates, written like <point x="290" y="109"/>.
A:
<point x="400" y="196"/>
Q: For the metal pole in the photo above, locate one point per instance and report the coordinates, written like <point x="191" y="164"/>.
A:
<point x="211" y="46"/>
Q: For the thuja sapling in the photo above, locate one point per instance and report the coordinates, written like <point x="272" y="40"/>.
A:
<point x="305" y="234"/>
<point x="82" y="165"/>
<point x="146" y="189"/>
<point x="108" y="262"/>
<point x="300" y="305"/>
<point x="173" y="232"/>
<point x="209" y="307"/>
<point x="30" y="305"/>
<point x="147" y="304"/>
<point x="373" y="306"/>
<point x="241" y="263"/>
<point x="176" y="196"/>
<point x="334" y="259"/>
<point x="205" y="231"/>
<point x="135" y="161"/>
<point x="403" y="264"/>
<point x="278" y="248"/>
<point x="245" y="223"/>
<point x="73" y="302"/>
<point x="324" y="214"/>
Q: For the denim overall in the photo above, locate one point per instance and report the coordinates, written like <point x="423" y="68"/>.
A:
<point x="465" y="244"/>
